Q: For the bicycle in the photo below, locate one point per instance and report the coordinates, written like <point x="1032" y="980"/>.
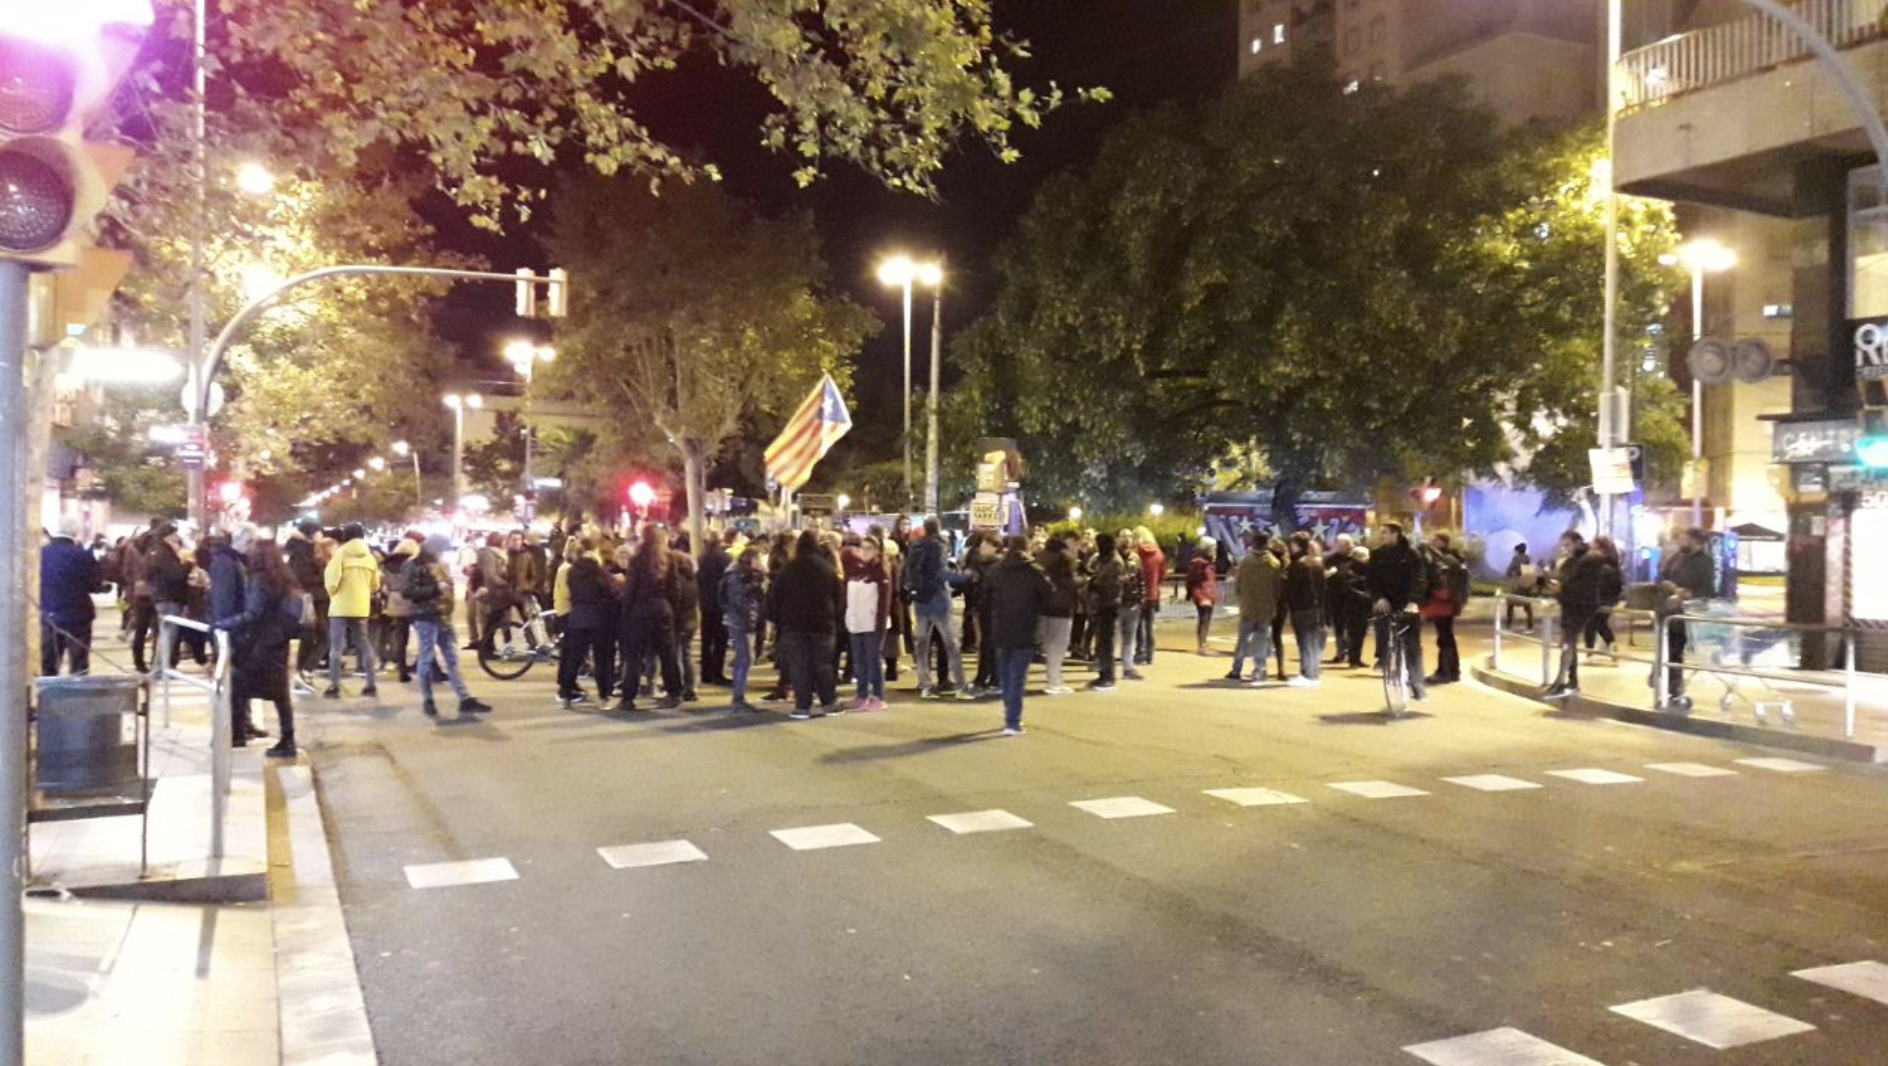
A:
<point x="1396" y="626"/>
<point x="509" y="648"/>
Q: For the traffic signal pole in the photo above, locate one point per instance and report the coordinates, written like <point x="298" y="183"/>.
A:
<point x="14" y="279"/>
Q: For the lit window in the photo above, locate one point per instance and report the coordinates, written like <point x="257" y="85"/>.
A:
<point x="1256" y="45"/>
<point x="1278" y="33"/>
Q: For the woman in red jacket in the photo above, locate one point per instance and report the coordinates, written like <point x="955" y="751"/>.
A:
<point x="1203" y="588"/>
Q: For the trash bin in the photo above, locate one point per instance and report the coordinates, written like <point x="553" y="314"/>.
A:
<point x="87" y="738"/>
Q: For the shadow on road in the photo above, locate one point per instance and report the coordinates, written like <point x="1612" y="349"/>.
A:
<point x="911" y="747"/>
<point x="1374" y="717"/>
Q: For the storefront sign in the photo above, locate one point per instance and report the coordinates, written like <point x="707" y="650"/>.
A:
<point x="1828" y="440"/>
<point x="1871" y="348"/>
<point x="986" y="511"/>
<point x="1612" y="471"/>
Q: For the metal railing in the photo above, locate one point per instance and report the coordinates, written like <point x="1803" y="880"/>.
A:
<point x="1718" y="54"/>
<point x="222" y="749"/>
<point x="1662" y="667"/>
<point x="1545" y="614"/>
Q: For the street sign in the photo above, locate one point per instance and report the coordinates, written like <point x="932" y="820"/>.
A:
<point x="1612" y="471"/>
<point x="986" y="511"/>
<point x="194" y="448"/>
<point x="1636" y="453"/>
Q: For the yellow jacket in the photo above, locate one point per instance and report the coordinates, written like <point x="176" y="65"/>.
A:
<point x="352" y="578"/>
<point x="560" y="589"/>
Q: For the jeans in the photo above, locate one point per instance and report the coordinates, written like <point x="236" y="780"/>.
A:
<point x="1675" y="641"/>
<point x="1412" y="647"/>
<point x="987" y="677"/>
<point x="1307" y="628"/>
<point x="579" y="643"/>
<point x="1148" y="612"/>
<point x="1102" y="624"/>
<point x="1013" y="674"/>
<point x="867" y="666"/>
<point x="943" y="627"/>
<point x="1577" y="619"/>
<point x="181" y="638"/>
<point x="1601" y="628"/>
<point x="743" y="644"/>
<point x="340" y="631"/>
<point x="1255" y="639"/>
<point x="1054" y="634"/>
<point x="684" y="662"/>
<point x="811" y="656"/>
<point x="396" y="638"/>
<point x="436" y="637"/>
<point x="1128" y="626"/>
<point x="645" y="638"/>
<point x="71" y="641"/>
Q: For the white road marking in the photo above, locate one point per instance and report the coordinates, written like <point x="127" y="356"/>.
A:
<point x="1254" y="797"/>
<point x="660" y="853"/>
<point x="1690" y="769"/>
<point x="1378" y="790"/>
<point x="1782" y="766"/>
<point x="1866" y="979"/>
<point x="449" y="874"/>
<point x="1714" y="1020"/>
<point x="1597" y="777"/>
<point x="1497" y="1047"/>
<point x="814" y="837"/>
<point x="1491" y="783"/>
<point x="980" y="822"/>
<point x="1121" y="807"/>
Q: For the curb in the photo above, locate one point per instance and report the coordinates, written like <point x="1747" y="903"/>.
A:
<point x="1580" y="703"/>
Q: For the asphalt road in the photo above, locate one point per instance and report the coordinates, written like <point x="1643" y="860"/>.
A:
<point x="1338" y="931"/>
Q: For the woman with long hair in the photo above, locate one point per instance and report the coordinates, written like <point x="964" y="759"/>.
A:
<point x="648" y="620"/>
<point x="259" y="640"/>
<point x="1612" y="587"/>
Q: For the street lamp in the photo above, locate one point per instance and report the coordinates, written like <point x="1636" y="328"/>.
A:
<point x="524" y="357"/>
<point x="1157" y="509"/>
<point x="901" y="272"/>
<point x="255" y="179"/>
<point x="459" y="403"/>
<point x="405" y="451"/>
<point x="1075" y="514"/>
<point x="844" y="501"/>
<point x="1699" y="257"/>
<point x="376" y="464"/>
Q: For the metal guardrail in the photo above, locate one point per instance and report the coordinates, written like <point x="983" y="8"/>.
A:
<point x="1718" y="54"/>
<point x="1714" y="648"/>
<point x="222" y="750"/>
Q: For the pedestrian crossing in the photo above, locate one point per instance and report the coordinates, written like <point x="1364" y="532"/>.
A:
<point x="641" y="855"/>
<point x="1700" y="1016"/>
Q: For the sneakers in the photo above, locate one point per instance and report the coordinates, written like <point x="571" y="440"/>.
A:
<point x="799" y="715"/>
<point x="1235" y="676"/>
<point x="1134" y="675"/>
<point x="283" y="750"/>
<point x="625" y="706"/>
<point x="1101" y="686"/>
<point x="690" y="697"/>
<point x="1301" y="681"/>
<point x="858" y="704"/>
<point x="742" y="707"/>
<point x="966" y="695"/>
<point x="669" y="703"/>
<point x="474" y="705"/>
<point x="870" y="705"/>
<point x="370" y="692"/>
<point x="429" y="709"/>
<point x="332" y="692"/>
<point x="832" y="709"/>
<point x="1016" y="732"/>
<point x="573" y="699"/>
<point x="927" y="694"/>
<point x="1058" y="690"/>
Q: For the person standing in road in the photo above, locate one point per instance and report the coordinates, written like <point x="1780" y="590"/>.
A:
<point x="352" y="578"/>
<point x="897" y="626"/>
<point x="806" y="595"/>
<point x="589" y="624"/>
<point x="1133" y="604"/>
<point x="427" y="581"/>
<point x="1448" y="596"/>
<point x="648" y="620"/>
<point x="1398" y="581"/>
<point x="68" y="576"/>
<point x="1058" y="614"/>
<point x="868" y="615"/>
<point x="1578" y="590"/>
<point x="304" y="564"/>
<point x="1342" y="579"/>
<point x="398" y="613"/>
<point x="1017" y="593"/>
<point x="929" y="577"/>
<point x="740" y="599"/>
<point x="1304" y="599"/>
<point x="687" y="614"/>
<point x="1104" y="608"/>
<point x="712" y="567"/>
<point x="1686" y="577"/>
<point x="1153" y="579"/>
<point x="1203" y="589"/>
<point x="1259" y="584"/>
<point x="260" y="630"/>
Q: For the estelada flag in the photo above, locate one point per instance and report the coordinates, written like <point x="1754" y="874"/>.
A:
<point x="812" y="431"/>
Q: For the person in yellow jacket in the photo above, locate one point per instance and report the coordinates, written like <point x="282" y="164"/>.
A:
<point x="352" y="577"/>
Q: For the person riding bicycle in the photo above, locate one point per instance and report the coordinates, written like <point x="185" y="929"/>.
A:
<point x="1398" y="581"/>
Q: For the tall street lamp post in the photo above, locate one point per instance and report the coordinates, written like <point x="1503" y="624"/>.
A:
<point x="901" y="272"/>
<point x="405" y="450"/>
<point x="459" y="403"/>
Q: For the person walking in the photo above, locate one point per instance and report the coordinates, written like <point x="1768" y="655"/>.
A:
<point x="1524" y="583"/>
<point x="427" y="585"/>
<point x="589" y="624"/>
<point x="1058" y="614"/>
<point x="806" y="596"/>
<point x="1685" y="577"/>
<point x="1203" y="589"/>
<point x="1397" y="582"/>
<point x="1612" y="587"/>
<point x="1018" y="594"/>
<point x="1577" y="587"/>
<point x="269" y="619"/>
<point x="648" y="620"/>
<point x="1259" y="585"/>
<point x="352" y="577"/>
<point x="1448" y="597"/>
<point x="929" y="577"/>
<point x="1304" y="599"/>
<point x="1104" y="608"/>
<point x="712" y="567"/>
<point x="740" y="595"/>
<point x="868" y="615"/>
<point x="68" y="576"/>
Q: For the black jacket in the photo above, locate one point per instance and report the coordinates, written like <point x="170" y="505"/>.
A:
<point x="1691" y="571"/>
<point x="228" y="578"/>
<point x="68" y="575"/>
<point x="1104" y="584"/>
<point x="301" y="562"/>
<point x="1017" y="595"/>
<point x="1396" y="574"/>
<point x="714" y="563"/>
<point x="1582" y="579"/>
<point x="592" y="600"/>
<point x="168" y="573"/>
<point x="1304" y="585"/>
<point x="264" y="625"/>
<point x="649" y="595"/>
<point x="805" y="595"/>
<point x="1059" y="568"/>
<point x="687" y="592"/>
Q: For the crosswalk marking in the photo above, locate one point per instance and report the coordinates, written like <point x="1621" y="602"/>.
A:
<point x="1690" y="769"/>
<point x="1590" y="776"/>
<point x="980" y="821"/>
<point x="1491" y="783"/>
<point x="1714" y="1020"/>
<point x="1782" y="766"/>
<point x="660" y="853"/>
<point x="1377" y="790"/>
<point x="1254" y="797"/>
<point x="1497" y="1047"/>
<point x="1866" y="979"/>
<point x="815" y="837"/>
<point x="1121" y="807"/>
<point x="449" y="874"/>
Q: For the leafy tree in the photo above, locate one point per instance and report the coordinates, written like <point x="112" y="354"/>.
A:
<point x="689" y="314"/>
<point x="133" y="473"/>
<point x="1319" y="284"/>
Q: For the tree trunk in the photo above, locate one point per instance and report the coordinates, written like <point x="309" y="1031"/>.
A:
<point x="695" y="477"/>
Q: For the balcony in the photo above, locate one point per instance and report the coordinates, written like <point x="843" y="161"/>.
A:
<point x="1716" y="55"/>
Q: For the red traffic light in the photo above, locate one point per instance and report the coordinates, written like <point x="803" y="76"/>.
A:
<point x="641" y="494"/>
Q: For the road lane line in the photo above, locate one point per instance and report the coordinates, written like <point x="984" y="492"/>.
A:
<point x="1590" y="776"/>
<point x="1254" y="797"/>
<point x="1782" y="766"/>
<point x="1378" y="790"/>
<point x="451" y="874"/>
<point x="1691" y="769"/>
<point x="1714" y="1020"/>
<point x="1498" y="1047"/>
<point x="1866" y="979"/>
<point x="980" y="821"/>
<point x="1492" y="783"/>
<point x="658" y="853"/>
<point x="815" y="837"/>
<point x="1121" y="807"/>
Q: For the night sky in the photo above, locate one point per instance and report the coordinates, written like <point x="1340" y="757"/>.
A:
<point x="1144" y="52"/>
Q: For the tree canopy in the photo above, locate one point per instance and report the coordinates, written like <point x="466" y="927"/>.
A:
<point x="1323" y="284"/>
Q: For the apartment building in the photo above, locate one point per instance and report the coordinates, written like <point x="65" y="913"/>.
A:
<point x="1524" y="59"/>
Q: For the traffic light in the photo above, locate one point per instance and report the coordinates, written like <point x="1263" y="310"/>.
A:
<point x="59" y="65"/>
<point x="641" y="494"/>
<point x="1427" y="494"/>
